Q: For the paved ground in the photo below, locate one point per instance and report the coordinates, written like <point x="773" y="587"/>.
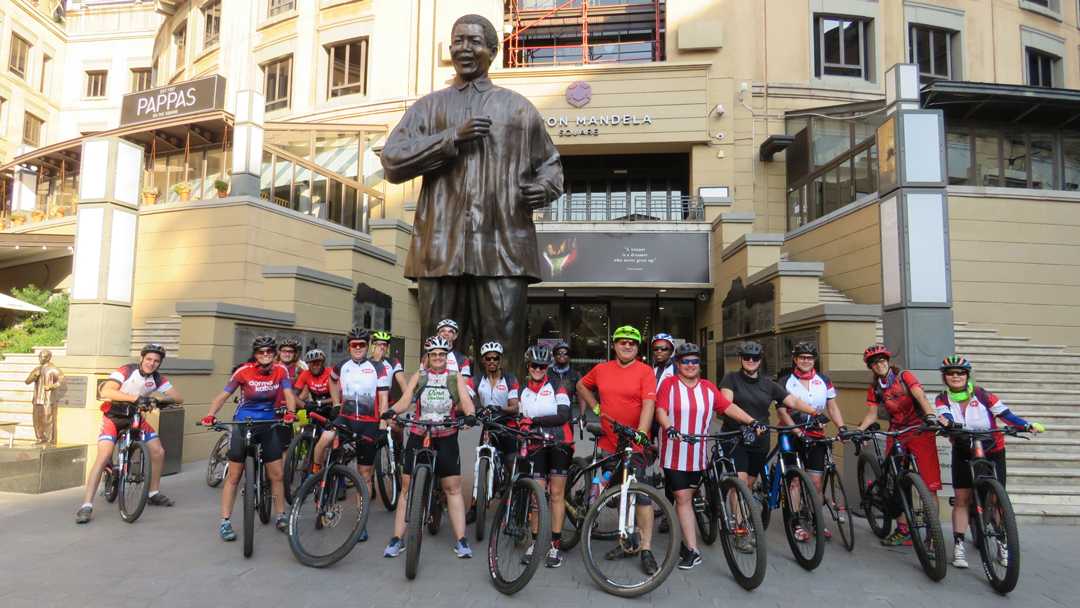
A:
<point x="172" y="557"/>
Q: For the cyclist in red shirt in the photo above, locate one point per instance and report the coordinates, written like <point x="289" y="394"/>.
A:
<point x="315" y="382"/>
<point x="901" y="394"/>
<point x="628" y="387"/>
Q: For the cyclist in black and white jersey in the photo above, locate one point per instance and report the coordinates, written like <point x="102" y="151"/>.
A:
<point x="495" y="390"/>
<point x="456" y="361"/>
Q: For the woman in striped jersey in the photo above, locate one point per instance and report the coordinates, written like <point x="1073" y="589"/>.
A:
<point x="685" y="403"/>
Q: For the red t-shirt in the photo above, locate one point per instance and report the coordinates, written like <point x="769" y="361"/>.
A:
<point x="622" y="391"/>
<point x="318" y="386"/>
<point x="897" y="399"/>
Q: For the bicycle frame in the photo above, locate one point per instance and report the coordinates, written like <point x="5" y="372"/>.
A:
<point x="775" y="467"/>
<point x="486" y="451"/>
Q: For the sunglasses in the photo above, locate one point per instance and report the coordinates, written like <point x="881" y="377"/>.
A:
<point x="492" y="359"/>
<point x="661" y="349"/>
<point x="956" y="372"/>
<point x="265" y="351"/>
<point x="625" y="343"/>
<point x="751" y="357"/>
<point x="879" y="360"/>
<point x="357" y="344"/>
<point x="537" y="366"/>
<point x="689" y="361"/>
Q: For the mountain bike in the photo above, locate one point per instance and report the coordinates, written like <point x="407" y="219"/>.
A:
<point x="127" y="477"/>
<point x="424" y="492"/>
<point x="582" y="489"/>
<point x="993" y="521"/>
<point x="330" y="509"/>
<point x="833" y="494"/>
<point x="256" y="489"/>
<point x="611" y="531"/>
<point x="893" y="487"/>
<point x="388" y="470"/>
<point x="523" y="508"/>
<point x="487" y="470"/>
<point x="298" y="456"/>
<point x="217" y="465"/>
<point x="724" y="508"/>
<point x="783" y="483"/>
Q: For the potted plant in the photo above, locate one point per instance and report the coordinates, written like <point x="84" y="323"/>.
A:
<point x="183" y="191"/>
<point x="18" y="218"/>
<point x="149" y="195"/>
<point x="222" y="188"/>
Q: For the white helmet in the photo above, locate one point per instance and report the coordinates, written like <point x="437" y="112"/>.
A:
<point x="438" y="343"/>
<point x="452" y="324"/>
<point x="490" y="347"/>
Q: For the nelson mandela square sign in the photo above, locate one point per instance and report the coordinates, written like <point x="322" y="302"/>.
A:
<point x="174" y="100"/>
<point x="639" y="257"/>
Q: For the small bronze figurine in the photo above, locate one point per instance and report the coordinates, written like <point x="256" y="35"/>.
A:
<point x="46" y="378"/>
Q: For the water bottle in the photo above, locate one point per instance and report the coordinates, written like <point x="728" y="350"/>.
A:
<point x="599" y="482"/>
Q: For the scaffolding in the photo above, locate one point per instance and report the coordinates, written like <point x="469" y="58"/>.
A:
<point x="575" y="32"/>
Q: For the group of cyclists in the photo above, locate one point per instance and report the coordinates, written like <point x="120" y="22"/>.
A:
<point x="665" y="402"/>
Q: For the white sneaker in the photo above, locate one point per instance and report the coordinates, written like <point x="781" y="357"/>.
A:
<point x="959" y="559"/>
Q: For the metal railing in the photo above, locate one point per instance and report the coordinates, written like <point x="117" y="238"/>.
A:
<point x="659" y="207"/>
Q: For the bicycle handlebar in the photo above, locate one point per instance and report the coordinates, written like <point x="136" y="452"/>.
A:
<point x="457" y="423"/>
<point x="958" y="429"/>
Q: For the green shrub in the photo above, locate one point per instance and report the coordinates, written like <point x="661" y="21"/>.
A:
<point x="47" y="328"/>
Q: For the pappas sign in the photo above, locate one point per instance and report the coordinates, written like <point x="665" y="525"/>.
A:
<point x="638" y="257"/>
<point x="174" y="100"/>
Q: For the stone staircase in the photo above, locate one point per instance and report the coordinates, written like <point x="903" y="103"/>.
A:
<point x="164" y="331"/>
<point x="828" y="294"/>
<point x="16" y="395"/>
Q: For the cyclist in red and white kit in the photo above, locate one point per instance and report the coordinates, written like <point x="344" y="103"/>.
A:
<point x="314" y="383"/>
<point x="456" y="361"/>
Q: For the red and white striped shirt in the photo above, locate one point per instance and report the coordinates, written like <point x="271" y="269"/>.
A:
<point x="690" y="409"/>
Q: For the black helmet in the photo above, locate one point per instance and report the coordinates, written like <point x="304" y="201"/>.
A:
<point x="560" y="345"/>
<point x="687" y="348"/>
<point x="804" y="348"/>
<point x="290" y="343"/>
<point x="153" y="347"/>
<point x="359" y="333"/>
<point x="263" y="342"/>
<point x="538" y="355"/>
<point x="750" y="348"/>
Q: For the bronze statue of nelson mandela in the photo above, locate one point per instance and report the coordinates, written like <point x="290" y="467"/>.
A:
<point x="487" y="163"/>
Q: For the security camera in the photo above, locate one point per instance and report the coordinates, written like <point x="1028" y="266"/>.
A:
<point x="703" y="296"/>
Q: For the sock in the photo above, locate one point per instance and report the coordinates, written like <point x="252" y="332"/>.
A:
<point x="556" y="540"/>
<point x="395" y="539"/>
<point x="462" y="541"/>
<point x="224" y="520"/>
<point x="87" y="504"/>
<point x="315" y="468"/>
<point x="152" y="494"/>
<point x="903" y="529"/>
<point x="958" y="537"/>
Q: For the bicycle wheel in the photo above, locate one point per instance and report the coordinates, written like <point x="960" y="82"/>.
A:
<point x="614" y="564"/>
<point x="297" y="464"/>
<point x="872" y="496"/>
<point x="808" y="553"/>
<point x="215" y="465"/>
<point x="387" y="476"/>
<point x="511" y="535"/>
<point x="483" y="471"/>
<point x="922" y="515"/>
<point x="414" y="531"/>
<point x="323" y="523"/>
<point x="761" y="496"/>
<point x="705" y="498"/>
<point x="742" y="536"/>
<point x="1000" y="538"/>
<point x="836" y="508"/>
<point x="249" y="506"/>
<point x="134" y="482"/>
<point x="576" y="499"/>
<point x="110" y="487"/>
<point x="265" y="495"/>
<point x="435" y="513"/>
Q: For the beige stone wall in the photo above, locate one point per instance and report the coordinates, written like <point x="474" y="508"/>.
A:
<point x="850" y="248"/>
<point x="1016" y="263"/>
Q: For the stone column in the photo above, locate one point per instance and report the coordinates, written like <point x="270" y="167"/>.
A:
<point x="916" y="279"/>
<point x="247" y="143"/>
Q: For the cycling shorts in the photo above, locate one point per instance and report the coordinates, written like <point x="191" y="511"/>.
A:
<point x="675" y="480"/>
<point x="749" y="459"/>
<point x="961" y="471"/>
<point x="551" y="460"/>
<point x="447" y="454"/>
<point x="112" y="426"/>
<point x="813" y="455"/>
<point x="366" y="435"/>
<point x="266" y="435"/>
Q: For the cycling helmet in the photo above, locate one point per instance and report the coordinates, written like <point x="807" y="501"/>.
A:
<point x="955" y="362"/>
<point x="750" y="348"/>
<point x="427" y="342"/>
<point x="314" y="355"/>
<point x="263" y="342"/>
<point x="538" y="355"/>
<point x="804" y="348"/>
<point x="452" y="324"/>
<point x="153" y="347"/>
<point x="687" y="348"/>
<point x="381" y="336"/>
<point x="490" y="347"/>
<point x="665" y="337"/>
<point x="359" y="333"/>
<point x="437" y="343"/>
<point x="626" y="332"/>
<point x="874" y="351"/>
<point x="560" y="345"/>
<point x="290" y="343"/>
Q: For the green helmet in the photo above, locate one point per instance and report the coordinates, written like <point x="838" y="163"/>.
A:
<point x="381" y="336"/>
<point x="627" y="332"/>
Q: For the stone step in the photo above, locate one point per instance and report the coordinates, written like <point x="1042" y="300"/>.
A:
<point x="1044" y="514"/>
<point x="1008" y="364"/>
<point x="1068" y="460"/>
<point x="24" y="367"/>
<point x="1031" y="394"/>
<point x="1042" y="476"/>
<point x="991" y="378"/>
<point x="1044" y="443"/>
<point x="1042" y="496"/>
<point x="973" y="351"/>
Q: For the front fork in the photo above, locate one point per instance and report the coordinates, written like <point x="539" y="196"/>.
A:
<point x="627" y="511"/>
<point x="483" y="452"/>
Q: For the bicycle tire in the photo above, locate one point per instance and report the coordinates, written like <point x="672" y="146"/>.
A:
<point x="752" y="579"/>
<point x="297" y="458"/>
<point x="218" y="459"/>
<point x="815" y="526"/>
<point x="414" y="531"/>
<point x="761" y="495"/>
<point x="837" y="507"/>
<point x="249" y="506"/>
<point x="532" y="493"/>
<point x="704" y="500"/>
<point x="306" y="497"/>
<point x="666" y="565"/>
<point x="109" y="480"/>
<point x="265" y="495"/>
<point x="576" y="498"/>
<point x="388" y="483"/>
<point x="933" y="564"/>
<point x="873" y="505"/>
<point x="483" y="470"/>
<point x="1004" y="582"/>
<point x="137" y="471"/>
<point x="435" y="513"/>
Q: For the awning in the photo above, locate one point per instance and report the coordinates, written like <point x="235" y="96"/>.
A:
<point x="17" y="249"/>
<point x="1004" y="103"/>
<point x="10" y="303"/>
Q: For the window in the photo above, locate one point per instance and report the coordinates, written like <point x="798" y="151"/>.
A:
<point x="842" y="46"/>
<point x="348" y="68"/>
<point x="179" y="37"/>
<point x="96" y="82"/>
<point x="212" y="23"/>
<point x="932" y="50"/>
<point x="32" y="126"/>
<point x="1041" y="68"/>
<point x="1050" y="8"/>
<point x="141" y="79"/>
<point x="45" y="59"/>
<point x="631" y="33"/>
<point x="278" y="7"/>
<point x="20" y="55"/>
<point x="277" y="77"/>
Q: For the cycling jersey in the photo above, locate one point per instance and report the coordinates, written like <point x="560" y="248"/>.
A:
<point x="360" y="382"/>
<point x="663" y="372"/>
<point x="494" y="394"/>
<point x="819" y="392"/>
<point x="436" y="401"/>
<point x="259" y="391"/>
<point x="979" y="413"/>
<point x="568" y="378"/>
<point x="133" y="382"/>
<point x="548" y="407"/>
<point x="318" y="386"/>
<point x="623" y="391"/>
<point x="895" y="395"/>
<point x="690" y="409"/>
<point x="457" y="362"/>
<point x="754" y="395"/>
